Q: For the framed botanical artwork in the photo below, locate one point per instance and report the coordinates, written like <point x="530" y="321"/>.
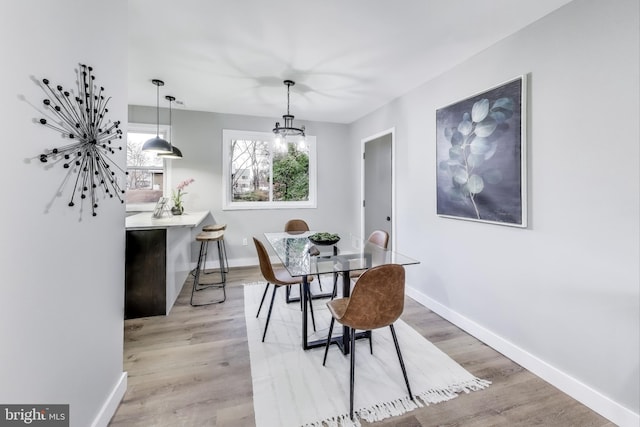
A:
<point x="481" y="156"/>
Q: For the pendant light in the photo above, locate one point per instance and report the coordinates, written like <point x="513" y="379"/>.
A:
<point x="288" y="129"/>
<point x="157" y="144"/>
<point x="175" y="152"/>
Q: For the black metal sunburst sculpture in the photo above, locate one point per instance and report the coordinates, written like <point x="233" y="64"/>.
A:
<point x="81" y="118"/>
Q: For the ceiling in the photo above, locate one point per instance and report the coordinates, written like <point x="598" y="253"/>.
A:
<point x="347" y="57"/>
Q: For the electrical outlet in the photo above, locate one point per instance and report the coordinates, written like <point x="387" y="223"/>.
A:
<point x="244" y="241"/>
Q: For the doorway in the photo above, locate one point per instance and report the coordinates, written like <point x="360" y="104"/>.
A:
<point x="378" y="183"/>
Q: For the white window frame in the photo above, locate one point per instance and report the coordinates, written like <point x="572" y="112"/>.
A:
<point x="228" y="136"/>
<point x="164" y="131"/>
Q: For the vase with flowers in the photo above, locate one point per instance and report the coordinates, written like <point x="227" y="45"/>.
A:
<point x="177" y="196"/>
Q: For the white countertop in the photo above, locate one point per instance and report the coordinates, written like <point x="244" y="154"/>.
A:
<point x="144" y="220"/>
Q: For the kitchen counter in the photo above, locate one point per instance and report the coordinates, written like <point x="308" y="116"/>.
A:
<point x="158" y="261"/>
<point x="144" y="220"/>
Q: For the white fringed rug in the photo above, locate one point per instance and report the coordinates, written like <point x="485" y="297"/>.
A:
<point x="291" y="387"/>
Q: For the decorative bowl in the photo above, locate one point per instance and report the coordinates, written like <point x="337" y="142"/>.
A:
<point x="324" y="239"/>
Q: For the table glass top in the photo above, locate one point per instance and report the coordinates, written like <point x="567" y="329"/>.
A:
<point x="302" y="257"/>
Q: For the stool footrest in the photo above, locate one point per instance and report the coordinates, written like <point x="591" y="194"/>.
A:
<point x="202" y="287"/>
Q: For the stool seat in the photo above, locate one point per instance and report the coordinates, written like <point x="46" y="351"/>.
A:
<point x="214" y="227"/>
<point x="210" y="236"/>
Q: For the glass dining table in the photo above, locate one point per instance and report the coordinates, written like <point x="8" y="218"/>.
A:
<point x="302" y="258"/>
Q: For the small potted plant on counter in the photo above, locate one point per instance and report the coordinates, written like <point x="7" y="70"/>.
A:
<point x="177" y="196"/>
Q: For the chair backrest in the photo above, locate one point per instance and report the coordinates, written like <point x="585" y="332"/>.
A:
<point x="377" y="299"/>
<point x="265" y="263"/>
<point x="379" y="237"/>
<point x="296" y="225"/>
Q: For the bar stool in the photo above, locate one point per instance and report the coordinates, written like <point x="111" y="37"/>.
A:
<point x="204" y="238"/>
<point x="221" y="245"/>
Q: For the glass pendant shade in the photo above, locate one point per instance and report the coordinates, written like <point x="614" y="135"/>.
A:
<point x="157" y="144"/>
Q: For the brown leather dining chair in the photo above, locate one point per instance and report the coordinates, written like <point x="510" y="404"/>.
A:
<point x="377" y="301"/>
<point x="300" y="225"/>
<point x="294" y="225"/>
<point x="377" y="237"/>
<point x="277" y="277"/>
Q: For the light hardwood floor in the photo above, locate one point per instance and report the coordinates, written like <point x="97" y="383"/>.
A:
<point x="192" y="368"/>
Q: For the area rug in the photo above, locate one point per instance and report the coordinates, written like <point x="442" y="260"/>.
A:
<point x="291" y="387"/>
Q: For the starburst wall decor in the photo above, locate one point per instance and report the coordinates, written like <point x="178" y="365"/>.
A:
<point x="81" y="119"/>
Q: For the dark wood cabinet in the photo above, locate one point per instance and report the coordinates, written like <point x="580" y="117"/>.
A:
<point x="158" y="261"/>
<point x="145" y="273"/>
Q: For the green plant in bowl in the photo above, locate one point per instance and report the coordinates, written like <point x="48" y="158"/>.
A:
<point x="324" y="238"/>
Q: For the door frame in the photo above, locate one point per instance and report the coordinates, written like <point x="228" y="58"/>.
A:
<point x="363" y="141"/>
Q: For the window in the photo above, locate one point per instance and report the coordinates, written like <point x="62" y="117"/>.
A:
<point x="260" y="174"/>
<point x="146" y="178"/>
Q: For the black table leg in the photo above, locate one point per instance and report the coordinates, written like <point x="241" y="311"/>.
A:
<point x="343" y="342"/>
<point x="291" y="299"/>
<point x="305" y="292"/>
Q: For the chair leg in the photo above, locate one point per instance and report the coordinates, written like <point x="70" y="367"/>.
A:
<point x="216" y="285"/>
<point x="223" y="270"/>
<point x="326" y="350"/>
<point x="352" y="373"/>
<point x="335" y="285"/>
<point x="404" y="371"/>
<point x="204" y="264"/>
<point x="273" y="297"/>
<point x="266" y="288"/>
<point x="224" y="293"/>
<point x="370" y="336"/>
<point x="196" y="276"/>
<point x="319" y="282"/>
<point x="222" y="253"/>
<point x="226" y="260"/>
<point x="313" y="319"/>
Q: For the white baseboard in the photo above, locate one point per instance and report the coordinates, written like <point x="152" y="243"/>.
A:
<point x="111" y="404"/>
<point x="245" y="262"/>
<point x="589" y="397"/>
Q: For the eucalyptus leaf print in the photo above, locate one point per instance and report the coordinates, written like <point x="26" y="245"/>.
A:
<point x="479" y="143"/>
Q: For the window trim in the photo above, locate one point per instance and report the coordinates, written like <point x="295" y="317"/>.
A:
<point x="164" y="130"/>
<point x="227" y="204"/>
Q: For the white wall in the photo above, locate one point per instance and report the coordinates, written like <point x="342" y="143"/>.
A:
<point x="199" y="136"/>
<point x="562" y="296"/>
<point x="61" y="310"/>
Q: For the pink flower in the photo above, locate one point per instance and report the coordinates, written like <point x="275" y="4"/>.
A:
<point x="185" y="183"/>
<point x="177" y="196"/>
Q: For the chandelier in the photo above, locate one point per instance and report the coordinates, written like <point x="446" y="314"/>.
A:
<point x="288" y="129"/>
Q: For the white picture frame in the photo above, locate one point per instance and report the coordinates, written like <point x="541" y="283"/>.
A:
<point x="161" y="208"/>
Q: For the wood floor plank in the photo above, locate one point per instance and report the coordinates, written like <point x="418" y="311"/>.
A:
<point x="192" y="368"/>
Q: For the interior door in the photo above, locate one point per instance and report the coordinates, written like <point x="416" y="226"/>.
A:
<point x="378" y="185"/>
